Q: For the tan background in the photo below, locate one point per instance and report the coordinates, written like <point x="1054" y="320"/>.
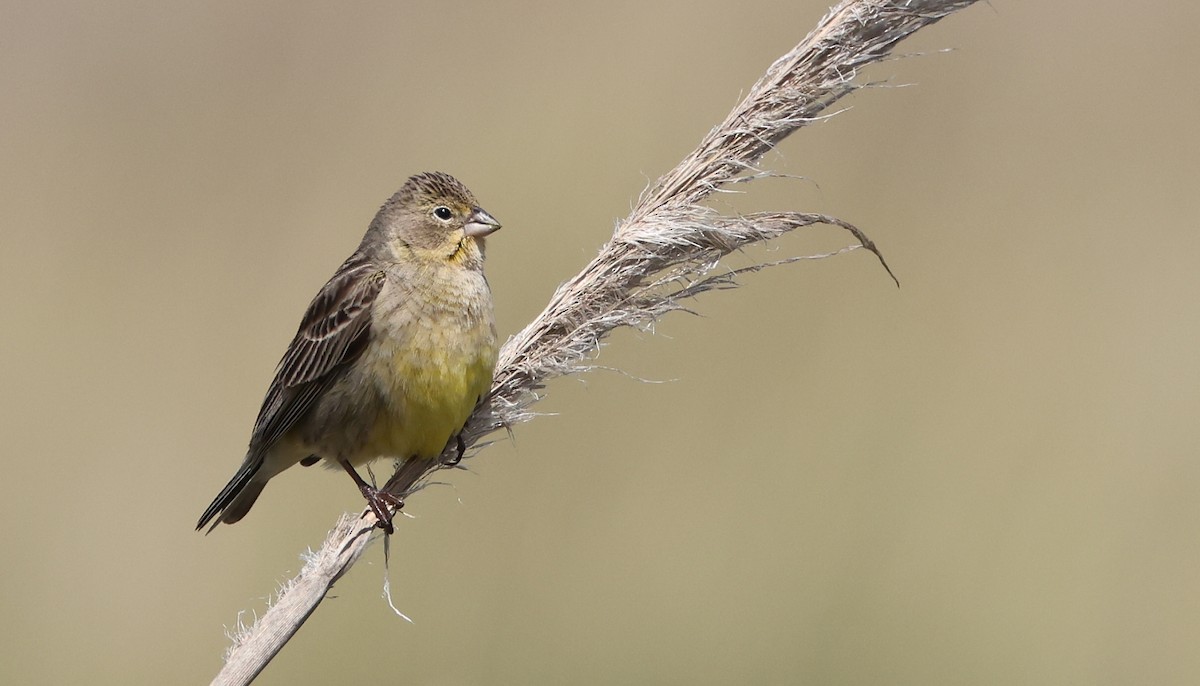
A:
<point x="988" y="476"/>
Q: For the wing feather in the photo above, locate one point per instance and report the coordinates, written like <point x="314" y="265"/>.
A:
<point x="332" y="333"/>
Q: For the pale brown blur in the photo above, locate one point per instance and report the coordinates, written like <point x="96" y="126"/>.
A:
<point x="988" y="476"/>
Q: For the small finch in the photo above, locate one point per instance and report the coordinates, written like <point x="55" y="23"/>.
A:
<point x="392" y="355"/>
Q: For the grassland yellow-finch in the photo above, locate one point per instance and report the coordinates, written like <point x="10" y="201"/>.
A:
<point x="391" y="356"/>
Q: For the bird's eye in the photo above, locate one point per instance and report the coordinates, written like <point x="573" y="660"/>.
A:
<point x="442" y="212"/>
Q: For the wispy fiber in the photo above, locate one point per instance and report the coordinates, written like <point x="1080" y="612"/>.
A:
<point x="664" y="252"/>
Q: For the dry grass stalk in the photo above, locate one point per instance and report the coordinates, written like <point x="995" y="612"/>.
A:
<point x="663" y="253"/>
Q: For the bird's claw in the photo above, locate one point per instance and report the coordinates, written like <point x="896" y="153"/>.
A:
<point x="384" y="505"/>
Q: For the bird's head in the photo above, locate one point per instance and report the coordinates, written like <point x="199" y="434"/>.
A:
<point x="435" y="217"/>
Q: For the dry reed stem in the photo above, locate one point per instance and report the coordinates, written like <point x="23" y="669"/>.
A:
<point x="662" y="253"/>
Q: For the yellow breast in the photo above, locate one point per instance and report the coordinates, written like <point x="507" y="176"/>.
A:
<point x="429" y="379"/>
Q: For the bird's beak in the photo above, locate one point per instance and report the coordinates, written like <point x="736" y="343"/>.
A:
<point x="480" y="224"/>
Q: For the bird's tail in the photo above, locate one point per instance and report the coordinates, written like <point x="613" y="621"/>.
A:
<point x="235" y="500"/>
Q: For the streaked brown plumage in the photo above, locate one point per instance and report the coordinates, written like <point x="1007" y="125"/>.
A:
<point x="391" y="355"/>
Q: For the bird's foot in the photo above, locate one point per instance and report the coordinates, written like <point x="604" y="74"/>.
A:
<point x="458" y="456"/>
<point x="384" y="505"/>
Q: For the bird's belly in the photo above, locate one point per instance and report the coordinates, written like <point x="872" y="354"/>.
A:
<point x="428" y="387"/>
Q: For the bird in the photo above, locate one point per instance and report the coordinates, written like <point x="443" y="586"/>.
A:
<point x="391" y="357"/>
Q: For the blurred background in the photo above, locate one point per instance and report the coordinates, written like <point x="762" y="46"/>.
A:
<point x="987" y="476"/>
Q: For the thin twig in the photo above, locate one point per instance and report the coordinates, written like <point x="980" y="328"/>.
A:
<point x="665" y="251"/>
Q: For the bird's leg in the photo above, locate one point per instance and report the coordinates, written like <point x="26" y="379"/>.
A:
<point x="383" y="504"/>
<point x="462" y="448"/>
<point x="459" y="442"/>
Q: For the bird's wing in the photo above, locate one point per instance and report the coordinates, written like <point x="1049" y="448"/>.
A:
<point x="333" y="332"/>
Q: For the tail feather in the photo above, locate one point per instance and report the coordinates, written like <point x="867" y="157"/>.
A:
<point x="235" y="500"/>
